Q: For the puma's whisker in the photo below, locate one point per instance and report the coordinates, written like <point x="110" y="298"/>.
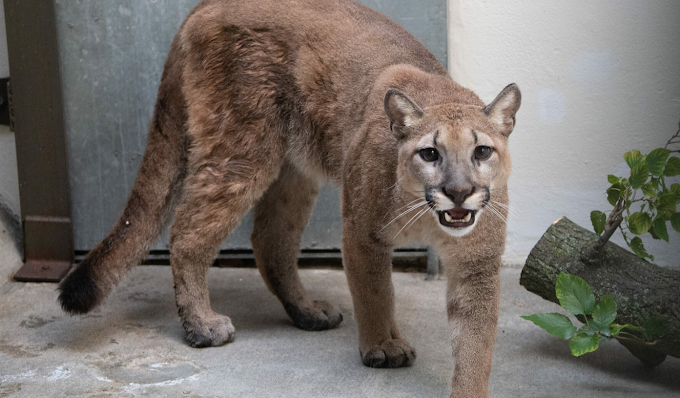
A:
<point x="501" y="204"/>
<point x="407" y="204"/>
<point x="509" y="210"/>
<point x="501" y="209"/>
<point x="505" y="206"/>
<point x="395" y="184"/>
<point x="500" y="215"/>
<point x="410" y="209"/>
<point x="412" y="220"/>
<point x="497" y="212"/>
<point x="399" y="209"/>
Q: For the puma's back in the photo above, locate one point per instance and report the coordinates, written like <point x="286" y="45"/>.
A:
<point x="319" y="60"/>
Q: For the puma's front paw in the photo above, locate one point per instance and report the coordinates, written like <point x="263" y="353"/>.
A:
<point x="390" y="354"/>
<point x="212" y="331"/>
<point x="321" y="315"/>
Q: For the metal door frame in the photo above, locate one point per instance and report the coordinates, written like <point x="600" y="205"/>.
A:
<point x="38" y="121"/>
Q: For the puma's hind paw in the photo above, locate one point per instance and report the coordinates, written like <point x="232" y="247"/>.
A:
<point x="390" y="354"/>
<point x="321" y="315"/>
<point x="210" y="332"/>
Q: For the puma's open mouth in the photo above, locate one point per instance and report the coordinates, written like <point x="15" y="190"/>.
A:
<point x="457" y="217"/>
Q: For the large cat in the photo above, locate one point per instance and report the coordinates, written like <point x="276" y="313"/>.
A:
<point x="260" y="100"/>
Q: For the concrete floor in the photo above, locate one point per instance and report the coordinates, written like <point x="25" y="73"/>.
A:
<point x="133" y="345"/>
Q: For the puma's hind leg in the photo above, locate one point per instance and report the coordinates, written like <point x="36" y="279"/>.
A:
<point x="280" y="219"/>
<point x="236" y="151"/>
<point x="219" y="191"/>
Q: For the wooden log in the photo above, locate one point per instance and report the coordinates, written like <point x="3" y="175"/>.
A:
<point x="642" y="290"/>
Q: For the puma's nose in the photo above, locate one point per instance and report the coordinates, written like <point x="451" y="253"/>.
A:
<point x="459" y="194"/>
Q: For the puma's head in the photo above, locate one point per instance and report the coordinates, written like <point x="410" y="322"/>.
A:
<point x="453" y="155"/>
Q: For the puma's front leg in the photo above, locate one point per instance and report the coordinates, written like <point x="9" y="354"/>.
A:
<point x="472" y="304"/>
<point x="368" y="266"/>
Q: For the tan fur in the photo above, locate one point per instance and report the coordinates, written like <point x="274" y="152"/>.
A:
<point x="259" y="101"/>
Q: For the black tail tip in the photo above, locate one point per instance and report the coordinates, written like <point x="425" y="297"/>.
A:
<point x="78" y="292"/>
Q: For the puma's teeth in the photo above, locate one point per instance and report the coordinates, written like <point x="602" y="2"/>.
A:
<point x="467" y="217"/>
<point x="447" y="217"/>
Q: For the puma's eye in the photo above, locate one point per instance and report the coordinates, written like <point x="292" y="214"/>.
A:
<point x="483" y="152"/>
<point x="429" y="154"/>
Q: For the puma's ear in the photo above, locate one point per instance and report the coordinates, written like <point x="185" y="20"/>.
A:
<point x="402" y="111"/>
<point x="502" y="110"/>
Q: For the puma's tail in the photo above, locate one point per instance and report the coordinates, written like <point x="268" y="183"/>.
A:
<point x="147" y="208"/>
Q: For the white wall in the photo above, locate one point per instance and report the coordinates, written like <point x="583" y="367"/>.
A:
<point x="597" y="79"/>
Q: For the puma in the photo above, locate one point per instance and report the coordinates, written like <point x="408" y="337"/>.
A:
<point x="260" y="100"/>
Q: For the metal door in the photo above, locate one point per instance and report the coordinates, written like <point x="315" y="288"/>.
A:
<point x="111" y="58"/>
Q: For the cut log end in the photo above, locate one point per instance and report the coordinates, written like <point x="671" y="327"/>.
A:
<point x="642" y="290"/>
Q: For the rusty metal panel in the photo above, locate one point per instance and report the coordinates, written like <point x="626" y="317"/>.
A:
<point x="39" y="127"/>
<point x="112" y="53"/>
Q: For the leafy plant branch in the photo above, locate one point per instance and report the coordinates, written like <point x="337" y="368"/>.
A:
<point x="658" y="203"/>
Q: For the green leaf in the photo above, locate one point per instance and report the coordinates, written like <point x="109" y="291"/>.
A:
<point x="604" y="314"/>
<point x="675" y="222"/>
<point x="672" y="167"/>
<point x="632" y="158"/>
<point x="601" y="328"/>
<point x="639" y="249"/>
<point x="638" y="175"/>
<point x="656" y="161"/>
<point x="634" y="328"/>
<point x="649" y="191"/>
<point x="574" y="294"/>
<point x="639" y="223"/>
<point x="614" y="193"/>
<point x="614" y="329"/>
<point x="654" y="235"/>
<point x="598" y="219"/>
<point x="667" y="205"/>
<point x="581" y="344"/>
<point x="613" y="179"/>
<point x="660" y="229"/>
<point x="556" y="324"/>
<point x="675" y="190"/>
